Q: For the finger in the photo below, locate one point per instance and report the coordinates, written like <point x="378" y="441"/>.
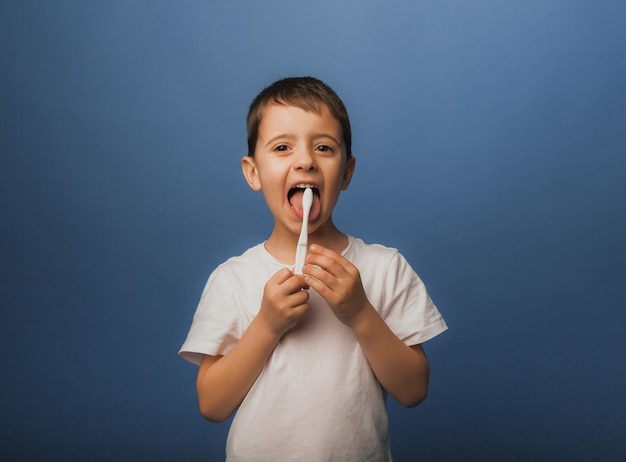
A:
<point x="321" y="250"/>
<point x="299" y="311"/>
<point x="294" y="283"/>
<point x="287" y="282"/>
<point x="334" y="257"/>
<point x="280" y="276"/>
<point x="320" y="287"/>
<point x="324" y="255"/>
<point x="317" y="272"/>
<point x="296" y="306"/>
<point x="327" y="263"/>
<point x="300" y="301"/>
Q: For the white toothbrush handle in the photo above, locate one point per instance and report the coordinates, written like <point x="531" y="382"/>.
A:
<point x="300" y="256"/>
<point x="303" y="241"/>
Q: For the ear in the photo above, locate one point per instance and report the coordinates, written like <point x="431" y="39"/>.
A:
<point x="348" y="172"/>
<point x="250" y="172"/>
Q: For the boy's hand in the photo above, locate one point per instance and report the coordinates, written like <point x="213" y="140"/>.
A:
<point x="284" y="301"/>
<point x="338" y="281"/>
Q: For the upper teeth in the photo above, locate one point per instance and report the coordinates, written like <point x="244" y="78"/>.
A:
<point x="304" y="186"/>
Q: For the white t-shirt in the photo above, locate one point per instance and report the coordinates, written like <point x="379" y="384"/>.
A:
<point x="316" y="399"/>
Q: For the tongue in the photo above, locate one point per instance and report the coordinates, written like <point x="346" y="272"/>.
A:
<point x="296" y="203"/>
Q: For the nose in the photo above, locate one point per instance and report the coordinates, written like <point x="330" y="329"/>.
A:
<point x="305" y="160"/>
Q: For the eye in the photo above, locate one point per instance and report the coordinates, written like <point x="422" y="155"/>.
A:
<point x="324" y="148"/>
<point x="281" y="148"/>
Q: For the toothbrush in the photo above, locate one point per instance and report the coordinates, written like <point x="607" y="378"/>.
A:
<point x="303" y="241"/>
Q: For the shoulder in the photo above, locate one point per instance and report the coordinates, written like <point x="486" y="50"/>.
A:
<point x="377" y="261"/>
<point x="360" y="251"/>
<point x="253" y="256"/>
<point x="236" y="268"/>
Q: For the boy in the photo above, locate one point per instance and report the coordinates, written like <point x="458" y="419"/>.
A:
<point x="307" y="360"/>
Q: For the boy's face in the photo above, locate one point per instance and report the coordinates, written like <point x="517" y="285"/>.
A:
<point x="297" y="147"/>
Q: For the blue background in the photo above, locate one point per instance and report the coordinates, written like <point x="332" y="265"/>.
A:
<point x="491" y="147"/>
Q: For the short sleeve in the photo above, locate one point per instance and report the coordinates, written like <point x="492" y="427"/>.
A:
<point x="216" y="325"/>
<point x="407" y="308"/>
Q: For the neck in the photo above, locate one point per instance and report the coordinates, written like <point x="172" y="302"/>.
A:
<point x="282" y="243"/>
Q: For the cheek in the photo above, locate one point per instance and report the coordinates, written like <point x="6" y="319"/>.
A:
<point x="272" y="184"/>
<point x="269" y="177"/>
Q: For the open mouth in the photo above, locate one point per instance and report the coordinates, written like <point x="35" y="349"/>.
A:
<point x="299" y="190"/>
<point x="294" y="196"/>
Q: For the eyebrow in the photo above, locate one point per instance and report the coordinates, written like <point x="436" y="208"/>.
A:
<point x="286" y="136"/>
<point x="326" y="135"/>
<point x="278" y="137"/>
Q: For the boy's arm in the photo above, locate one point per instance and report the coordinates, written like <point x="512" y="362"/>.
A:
<point x="224" y="381"/>
<point x="402" y="370"/>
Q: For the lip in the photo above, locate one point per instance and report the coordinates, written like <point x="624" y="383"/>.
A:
<point x="297" y="184"/>
<point x="307" y="183"/>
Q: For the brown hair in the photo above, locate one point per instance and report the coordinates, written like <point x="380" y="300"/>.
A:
<point x="306" y="93"/>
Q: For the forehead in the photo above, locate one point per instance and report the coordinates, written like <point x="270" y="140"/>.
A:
<point x="286" y="119"/>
